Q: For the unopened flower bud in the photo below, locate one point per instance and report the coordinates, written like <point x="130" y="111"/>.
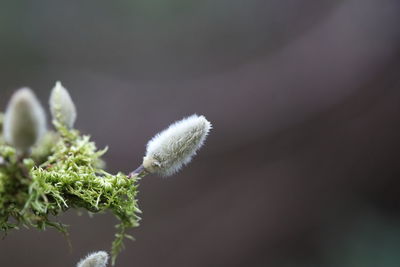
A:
<point x="174" y="147"/>
<point x="62" y="107"/>
<point x="96" y="259"/>
<point x="24" y="120"/>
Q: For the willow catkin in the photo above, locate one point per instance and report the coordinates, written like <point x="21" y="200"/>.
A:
<point x="62" y="107"/>
<point x="171" y="149"/>
<point x="24" y="120"/>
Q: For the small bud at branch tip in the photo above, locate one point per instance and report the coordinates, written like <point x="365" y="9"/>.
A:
<point x="62" y="107"/>
<point x="174" y="147"/>
<point x="24" y="120"/>
<point x="96" y="259"/>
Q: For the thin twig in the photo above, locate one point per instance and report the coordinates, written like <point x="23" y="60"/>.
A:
<point x="140" y="172"/>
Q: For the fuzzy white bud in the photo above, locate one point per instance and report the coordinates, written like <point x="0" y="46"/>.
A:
<point x="96" y="259"/>
<point x="62" y="107"/>
<point x="24" y="120"/>
<point x="174" y="147"/>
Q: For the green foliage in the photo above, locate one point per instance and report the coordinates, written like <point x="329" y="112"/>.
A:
<point x="64" y="171"/>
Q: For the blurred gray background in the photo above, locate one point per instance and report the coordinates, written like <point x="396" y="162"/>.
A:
<point x="302" y="166"/>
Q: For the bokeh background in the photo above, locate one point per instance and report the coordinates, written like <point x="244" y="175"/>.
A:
<point x="302" y="166"/>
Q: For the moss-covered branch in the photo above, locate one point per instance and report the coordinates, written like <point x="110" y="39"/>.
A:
<point x="33" y="191"/>
<point x="45" y="173"/>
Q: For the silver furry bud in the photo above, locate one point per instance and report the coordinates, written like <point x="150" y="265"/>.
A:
<point x="62" y="107"/>
<point x="24" y="120"/>
<point x="96" y="259"/>
<point x="171" y="149"/>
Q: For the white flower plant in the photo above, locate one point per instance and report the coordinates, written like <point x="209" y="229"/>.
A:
<point x="45" y="172"/>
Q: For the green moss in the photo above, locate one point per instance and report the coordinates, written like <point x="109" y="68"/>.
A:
<point x="63" y="172"/>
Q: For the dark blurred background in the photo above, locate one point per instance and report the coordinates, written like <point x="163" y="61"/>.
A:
<point x="302" y="166"/>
